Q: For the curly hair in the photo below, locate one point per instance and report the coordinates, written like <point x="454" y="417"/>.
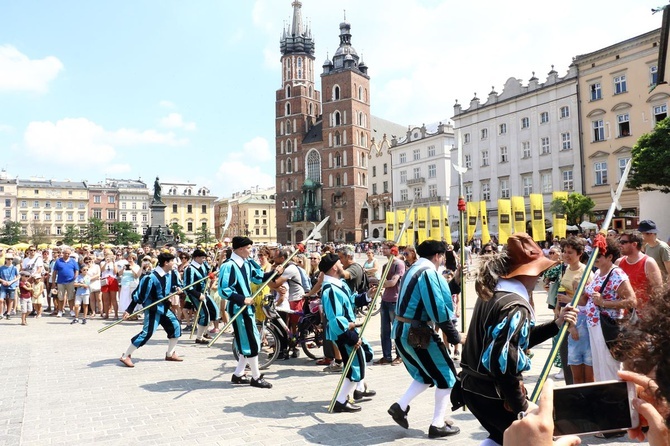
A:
<point x="576" y="243"/>
<point x="646" y="344"/>
<point x="491" y="268"/>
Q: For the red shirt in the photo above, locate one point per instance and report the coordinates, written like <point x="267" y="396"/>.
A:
<point x="638" y="278"/>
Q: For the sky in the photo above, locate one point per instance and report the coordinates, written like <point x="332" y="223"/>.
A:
<point x="186" y="90"/>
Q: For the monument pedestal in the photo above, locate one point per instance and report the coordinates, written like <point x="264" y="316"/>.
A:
<point x="158" y="234"/>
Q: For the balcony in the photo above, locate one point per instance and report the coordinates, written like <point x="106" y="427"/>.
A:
<point x="418" y="201"/>
<point x="308" y="214"/>
<point x="416" y="181"/>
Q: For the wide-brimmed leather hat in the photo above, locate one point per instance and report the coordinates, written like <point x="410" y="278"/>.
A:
<point x="525" y="257"/>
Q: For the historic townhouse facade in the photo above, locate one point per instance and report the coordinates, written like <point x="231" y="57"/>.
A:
<point x="619" y="101"/>
<point x="188" y="205"/>
<point x="133" y="202"/>
<point x="524" y="140"/>
<point x="8" y="192"/>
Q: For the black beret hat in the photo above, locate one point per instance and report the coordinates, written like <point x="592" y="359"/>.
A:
<point x="199" y="253"/>
<point x="240" y="242"/>
<point x="327" y="262"/>
<point x="429" y="248"/>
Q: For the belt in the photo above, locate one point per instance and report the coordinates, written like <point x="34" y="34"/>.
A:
<point x="408" y="321"/>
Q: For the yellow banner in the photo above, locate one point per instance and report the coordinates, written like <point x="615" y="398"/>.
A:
<point x="410" y="238"/>
<point x="472" y="209"/>
<point x="560" y="222"/>
<point x="486" y="237"/>
<point x="436" y="224"/>
<point x="422" y="223"/>
<point x="400" y="219"/>
<point x="390" y="226"/>
<point x="446" y="229"/>
<point x="519" y="214"/>
<point x="504" y="220"/>
<point x="537" y="217"/>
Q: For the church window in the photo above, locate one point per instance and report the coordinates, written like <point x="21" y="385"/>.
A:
<point x="338" y="180"/>
<point x="314" y="166"/>
<point x="288" y="91"/>
<point x="289" y="166"/>
<point x="289" y="146"/>
<point x="288" y="109"/>
<point x="364" y="140"/>
<point x="299" y="62"/>
<point x="311" y="111"/>
<point x="287" y="130"/>
<point x="338" y="160"/>
<point x="310" y="93"/>
<point x="336" y="93"/>
<point x="338" y="141"/>
<point x="360" y="118"/>
<point x="360" y="93"/>
<point x="338" y="119"/>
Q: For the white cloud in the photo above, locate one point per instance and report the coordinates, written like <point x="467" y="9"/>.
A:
<point x="258" y="149"/>
<point x="167" y="104"/>
<point x="79" y="142"/>
<point x="176" y="121"/>
<point x="118" y="168"/>
<point x="19" y="73"/>
<point x="239" y="175"/>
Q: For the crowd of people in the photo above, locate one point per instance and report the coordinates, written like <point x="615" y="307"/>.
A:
<point x="627" y="289"/>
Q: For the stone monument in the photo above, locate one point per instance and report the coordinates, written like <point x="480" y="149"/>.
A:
<point x="158" y="234"/>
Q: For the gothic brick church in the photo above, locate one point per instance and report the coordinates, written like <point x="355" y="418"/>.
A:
<point x="323" y="138"/>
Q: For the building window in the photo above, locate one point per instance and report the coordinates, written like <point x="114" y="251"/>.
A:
<point x="204" y="209"/>
<point x="24" y="216"/>
<point x="134" y="217"/>
<point x="653" y="75"/>
<point x="568" y="183"/>
<point x="189" y="226"/>
<point x="24" y="204"/>
<point x="503" y="129"/>
<point x="417" y="173"/>
<point x="70" y="205"/>
<point x="124" y="217"/>
<point x="403" y="176"/>
<point x="432" y="190"/>
<point x="485" y="157"/>
<point x="59" y="205"/>
<point x="403" y="194"/>
<point x="485" y="133"/>
<point x="111" y="199"/>
<point x="174" y="208"/>
<point x="416" y="155"/>
<point x="466" y="138"/>
<point x="386" y="169"/>
<point x="111" y="215"/>
<point x="620" y="84"/>
<point x="544" y="117"/>
<point x="81" y="205"/>
<point x="417" y="192"/>
<point x="486" y="191"/>
<point x="527" y="182"/>
<point x="467" y="191"/>
<point x="374" y="171"/>
<point x="565" y="141"/>
<point x="47" y="217"/>
<point x="96" y="199"/>
<point x="402" y="158"/>
<point x="468" y="161"/>
<point x="600" y="169"/>
<point x="545" y="148"/>
<point x="70" y="216"/>
<point x="82" y="217"/>
<point x="338" y="119"/>
<point x="660" y="113"/>
<point x="432" y="171"/>
<point x="289" y="166"/>
<point x="8" y="213"/>
<point x="36" y="204"/>
<point x="374" y="188"/>
<point x="598" y="130"/>
<point x="97" y="213"/>
<point x="565" y="112"/>
<point x="431" y="150"/>
<point x="545" y="179"/>
<point x="622" y="166"/>
<point x="525" y="123"/>
<point x="623" y="123"/>
<point x="595" y="91"/>
<point x="189" y="208"/>
<point x="59" y="217"/>
<point x="59" y="230"/>
<point x="338" y="180"/>
<point x="36" y="216"/>
<point x="504" y="157"/>
<point x="386" y="187"/>
<point x="504" y="188"/>
<point x="525" y="149"/>
<point x="8" y="202"/>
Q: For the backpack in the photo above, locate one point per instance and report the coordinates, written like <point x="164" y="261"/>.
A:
<point x="304" y="279"/>
<point x="361" y="298"/>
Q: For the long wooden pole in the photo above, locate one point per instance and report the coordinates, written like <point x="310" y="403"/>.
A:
<point x="582" y="284"/>
<point x="382" y="279"/>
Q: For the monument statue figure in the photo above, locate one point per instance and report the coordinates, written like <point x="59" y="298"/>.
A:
<point x="157" y="190"/>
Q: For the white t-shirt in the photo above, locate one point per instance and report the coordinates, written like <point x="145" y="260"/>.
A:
<point x="32" y="265"/>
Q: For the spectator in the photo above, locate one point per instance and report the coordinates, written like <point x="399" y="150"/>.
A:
<point x="371" y="268"/>
<point x="409" y="254"/>
<point x="110" y="286"/>
<point x="25" y="296"/>
<point x="642" y="270"/>
<point x="39" y="294"/>
<point x="9" y="280"/>
<point x="32" y="263"/>
<point x="655" y="248"/>
<point x="63" y="273"/>
<point x="389" y="298"/>
<point x="95" y="286"/>
<point x="82" y="295"/>
<point x="291" y="277"/>
<point x="130" y="279"/>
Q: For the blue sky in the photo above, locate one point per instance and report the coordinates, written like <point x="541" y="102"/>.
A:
<point x="186" y="90"/>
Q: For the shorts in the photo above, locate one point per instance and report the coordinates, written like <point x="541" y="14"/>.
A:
<point x="579" y="352"/>
<point x="7" y="293"/>
<point x="65" y="288"/>
<point x="109" y="284"/>
<point x="296" y="305"/>
<point x="26" y="305"/>
<point x="82" y="299"/>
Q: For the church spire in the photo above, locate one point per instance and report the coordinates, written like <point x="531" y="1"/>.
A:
<point x="299" y="38"/>
<point x="296" y="26"/>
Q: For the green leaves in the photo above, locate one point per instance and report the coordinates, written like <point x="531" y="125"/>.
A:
<point x="651" y="160"/>
<point x="574" y="208"/>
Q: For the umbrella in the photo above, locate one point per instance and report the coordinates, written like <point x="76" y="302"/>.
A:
<point x="567" y="228"/>
<point x="3" y="246"/>
<point x="588" y="225"/>
<point x="21" y="246"/>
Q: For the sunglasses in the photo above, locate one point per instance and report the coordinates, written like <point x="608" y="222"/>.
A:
<point x="488" y="251"/>
<point x="623" y="242"/>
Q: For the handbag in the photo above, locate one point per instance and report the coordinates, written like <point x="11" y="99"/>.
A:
<point x="613" y="328"/>
<point x="419" y="335"/>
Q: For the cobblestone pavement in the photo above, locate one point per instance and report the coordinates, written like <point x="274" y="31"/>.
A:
<point x="64" y="384"/>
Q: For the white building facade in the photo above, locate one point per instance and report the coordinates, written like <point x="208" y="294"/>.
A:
<point x="524" y="140"/>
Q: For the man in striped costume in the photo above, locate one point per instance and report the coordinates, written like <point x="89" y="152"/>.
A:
<point x="235" y="278"/>
<point x="161" y="282"/>
<point x="337" y="300"/>
<point x="424" y="301"/>
<point x="209" y="311"/>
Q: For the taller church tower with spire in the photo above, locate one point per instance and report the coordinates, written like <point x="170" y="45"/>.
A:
<point x="321" y="149"/>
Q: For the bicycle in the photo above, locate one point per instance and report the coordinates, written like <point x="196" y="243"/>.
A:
<point x="277" y="337"/>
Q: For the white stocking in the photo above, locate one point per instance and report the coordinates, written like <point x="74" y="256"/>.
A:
<point x="347" y="388"/>
<point x="414" y="390"/>
<point x="360" y="386"/>
<point x="441" y="401"/>
<point x="200" y="331"/>
<point x="253" y="365"/>
<point x="130" y="351"/>
<point x="172" y="343"/>
<point x="241" y="365"/>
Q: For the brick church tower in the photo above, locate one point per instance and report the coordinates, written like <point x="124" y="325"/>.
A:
<point x="321" y="150"/>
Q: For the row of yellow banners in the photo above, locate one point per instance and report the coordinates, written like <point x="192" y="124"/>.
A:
<point x="432" y="222"/>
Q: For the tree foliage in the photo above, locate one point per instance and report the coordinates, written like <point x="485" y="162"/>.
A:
<point x="124" y="233"/>
<point x="10" y="233"/>
<point x="178" y="231"/>
<point x="39" y="234"/>
<point x="71" y="234"/>
<point x="95" y="232"/>
<point x="650" y="169"/>
<point x="574" y="208"/>
<point x="203" y="235"/>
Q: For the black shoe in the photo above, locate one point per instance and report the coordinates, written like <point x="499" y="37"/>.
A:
<point x="201" y="341"/>
<point x="444" y="431"/>
<point x="260" y="383"/>
<point x="359" y="395"/>
<point x="345" y="407"/>
<point x="295" y="354"/>
<point x="284" y="355"/>
<point x="188" y="328"/>
<point x="400" y="416"/>
<point x="244" y="379"/>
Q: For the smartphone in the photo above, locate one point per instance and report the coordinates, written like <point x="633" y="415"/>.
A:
<point x="583" y="409"/>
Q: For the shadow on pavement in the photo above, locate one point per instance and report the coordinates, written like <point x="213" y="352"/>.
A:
<point x="348" y="433"/>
